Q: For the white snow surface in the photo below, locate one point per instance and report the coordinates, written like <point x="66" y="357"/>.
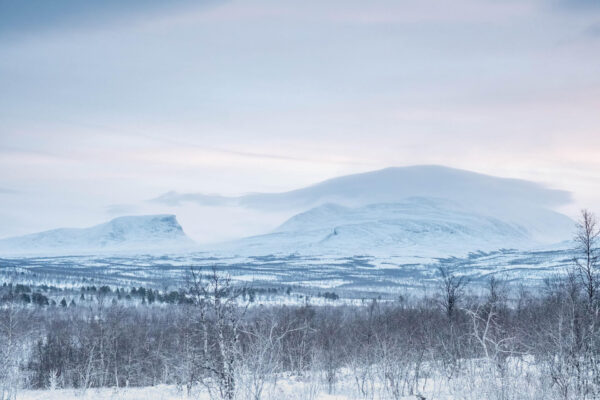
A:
<point x="477" y="380"/>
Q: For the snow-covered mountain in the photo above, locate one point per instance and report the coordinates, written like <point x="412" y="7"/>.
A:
<point x="413" y="211"/>
<point x="131" y="233"/>
<point x="417" y="226"/>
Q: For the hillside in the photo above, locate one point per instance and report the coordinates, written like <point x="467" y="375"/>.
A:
<point x="415" y="226"/>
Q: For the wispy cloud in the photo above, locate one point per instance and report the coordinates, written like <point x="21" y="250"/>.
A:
<point x="23" y="17"/>
<point x="122" y="209"/>
<point x="173" y="198"/>
<point x="593" y="30"/>
<point x="580" y="4"/>
<point x="7" y="191"/>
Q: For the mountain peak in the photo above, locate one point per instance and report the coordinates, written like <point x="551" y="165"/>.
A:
<point x="127" y="233"/>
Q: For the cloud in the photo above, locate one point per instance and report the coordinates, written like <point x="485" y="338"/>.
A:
<point x="122" y="209"/>
<point x="593" y="30"/>
<point x="389" y="185"/>
<point x="18" y="16"/>
<point x="7" y="191"/>
<point x="175" y="199"/>
<point x="579" y="4"/>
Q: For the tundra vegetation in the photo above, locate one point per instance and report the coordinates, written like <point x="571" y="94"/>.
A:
<point x="211" y="337"/>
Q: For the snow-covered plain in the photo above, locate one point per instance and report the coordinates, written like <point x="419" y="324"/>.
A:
<point x="351" y="277"/>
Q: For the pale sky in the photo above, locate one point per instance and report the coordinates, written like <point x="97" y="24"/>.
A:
<point x="105" y="105"/>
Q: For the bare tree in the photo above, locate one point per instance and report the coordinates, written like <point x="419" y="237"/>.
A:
<point x="220" y="317"/>
<point x="586" y="239"/>
<point x="8" y="358"/>
<point x="262" y="352"/>
<point x="12" y="322"/>
<point x="452" y="288"/>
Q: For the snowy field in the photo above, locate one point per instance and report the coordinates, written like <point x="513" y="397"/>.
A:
<point x="479" y="379"/>
<point x="294" y="391"/>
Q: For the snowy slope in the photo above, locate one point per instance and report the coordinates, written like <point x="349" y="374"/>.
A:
<point x="148" y="232"/>
<point x="414" y="226"/>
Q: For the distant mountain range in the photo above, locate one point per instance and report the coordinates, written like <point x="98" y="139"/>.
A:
<point x="133" y="233"/>
<point x="425" y="210"/>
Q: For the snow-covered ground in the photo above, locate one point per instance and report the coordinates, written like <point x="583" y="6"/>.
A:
<point x="292" y="391"/>
<point x="477" y="380"/>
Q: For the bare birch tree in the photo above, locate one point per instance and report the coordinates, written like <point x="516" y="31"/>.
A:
<point x="586" y="262"/>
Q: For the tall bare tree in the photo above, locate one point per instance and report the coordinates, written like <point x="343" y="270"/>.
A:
<point x="11" y="324"/>
<point x="586" y="262"/>
<point x="452" y="288"/>
<point x="220" y="317"/>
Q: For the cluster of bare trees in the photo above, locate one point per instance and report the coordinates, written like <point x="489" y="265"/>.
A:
<point x="12" y="352"/>
<point x="505" y="343"/>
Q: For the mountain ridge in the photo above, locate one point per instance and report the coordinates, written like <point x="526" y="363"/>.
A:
<point x="126" y="233"/>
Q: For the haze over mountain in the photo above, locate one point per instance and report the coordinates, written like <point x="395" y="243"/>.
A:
<point x="131" y="233"/>
<point x="389" y="185"/>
